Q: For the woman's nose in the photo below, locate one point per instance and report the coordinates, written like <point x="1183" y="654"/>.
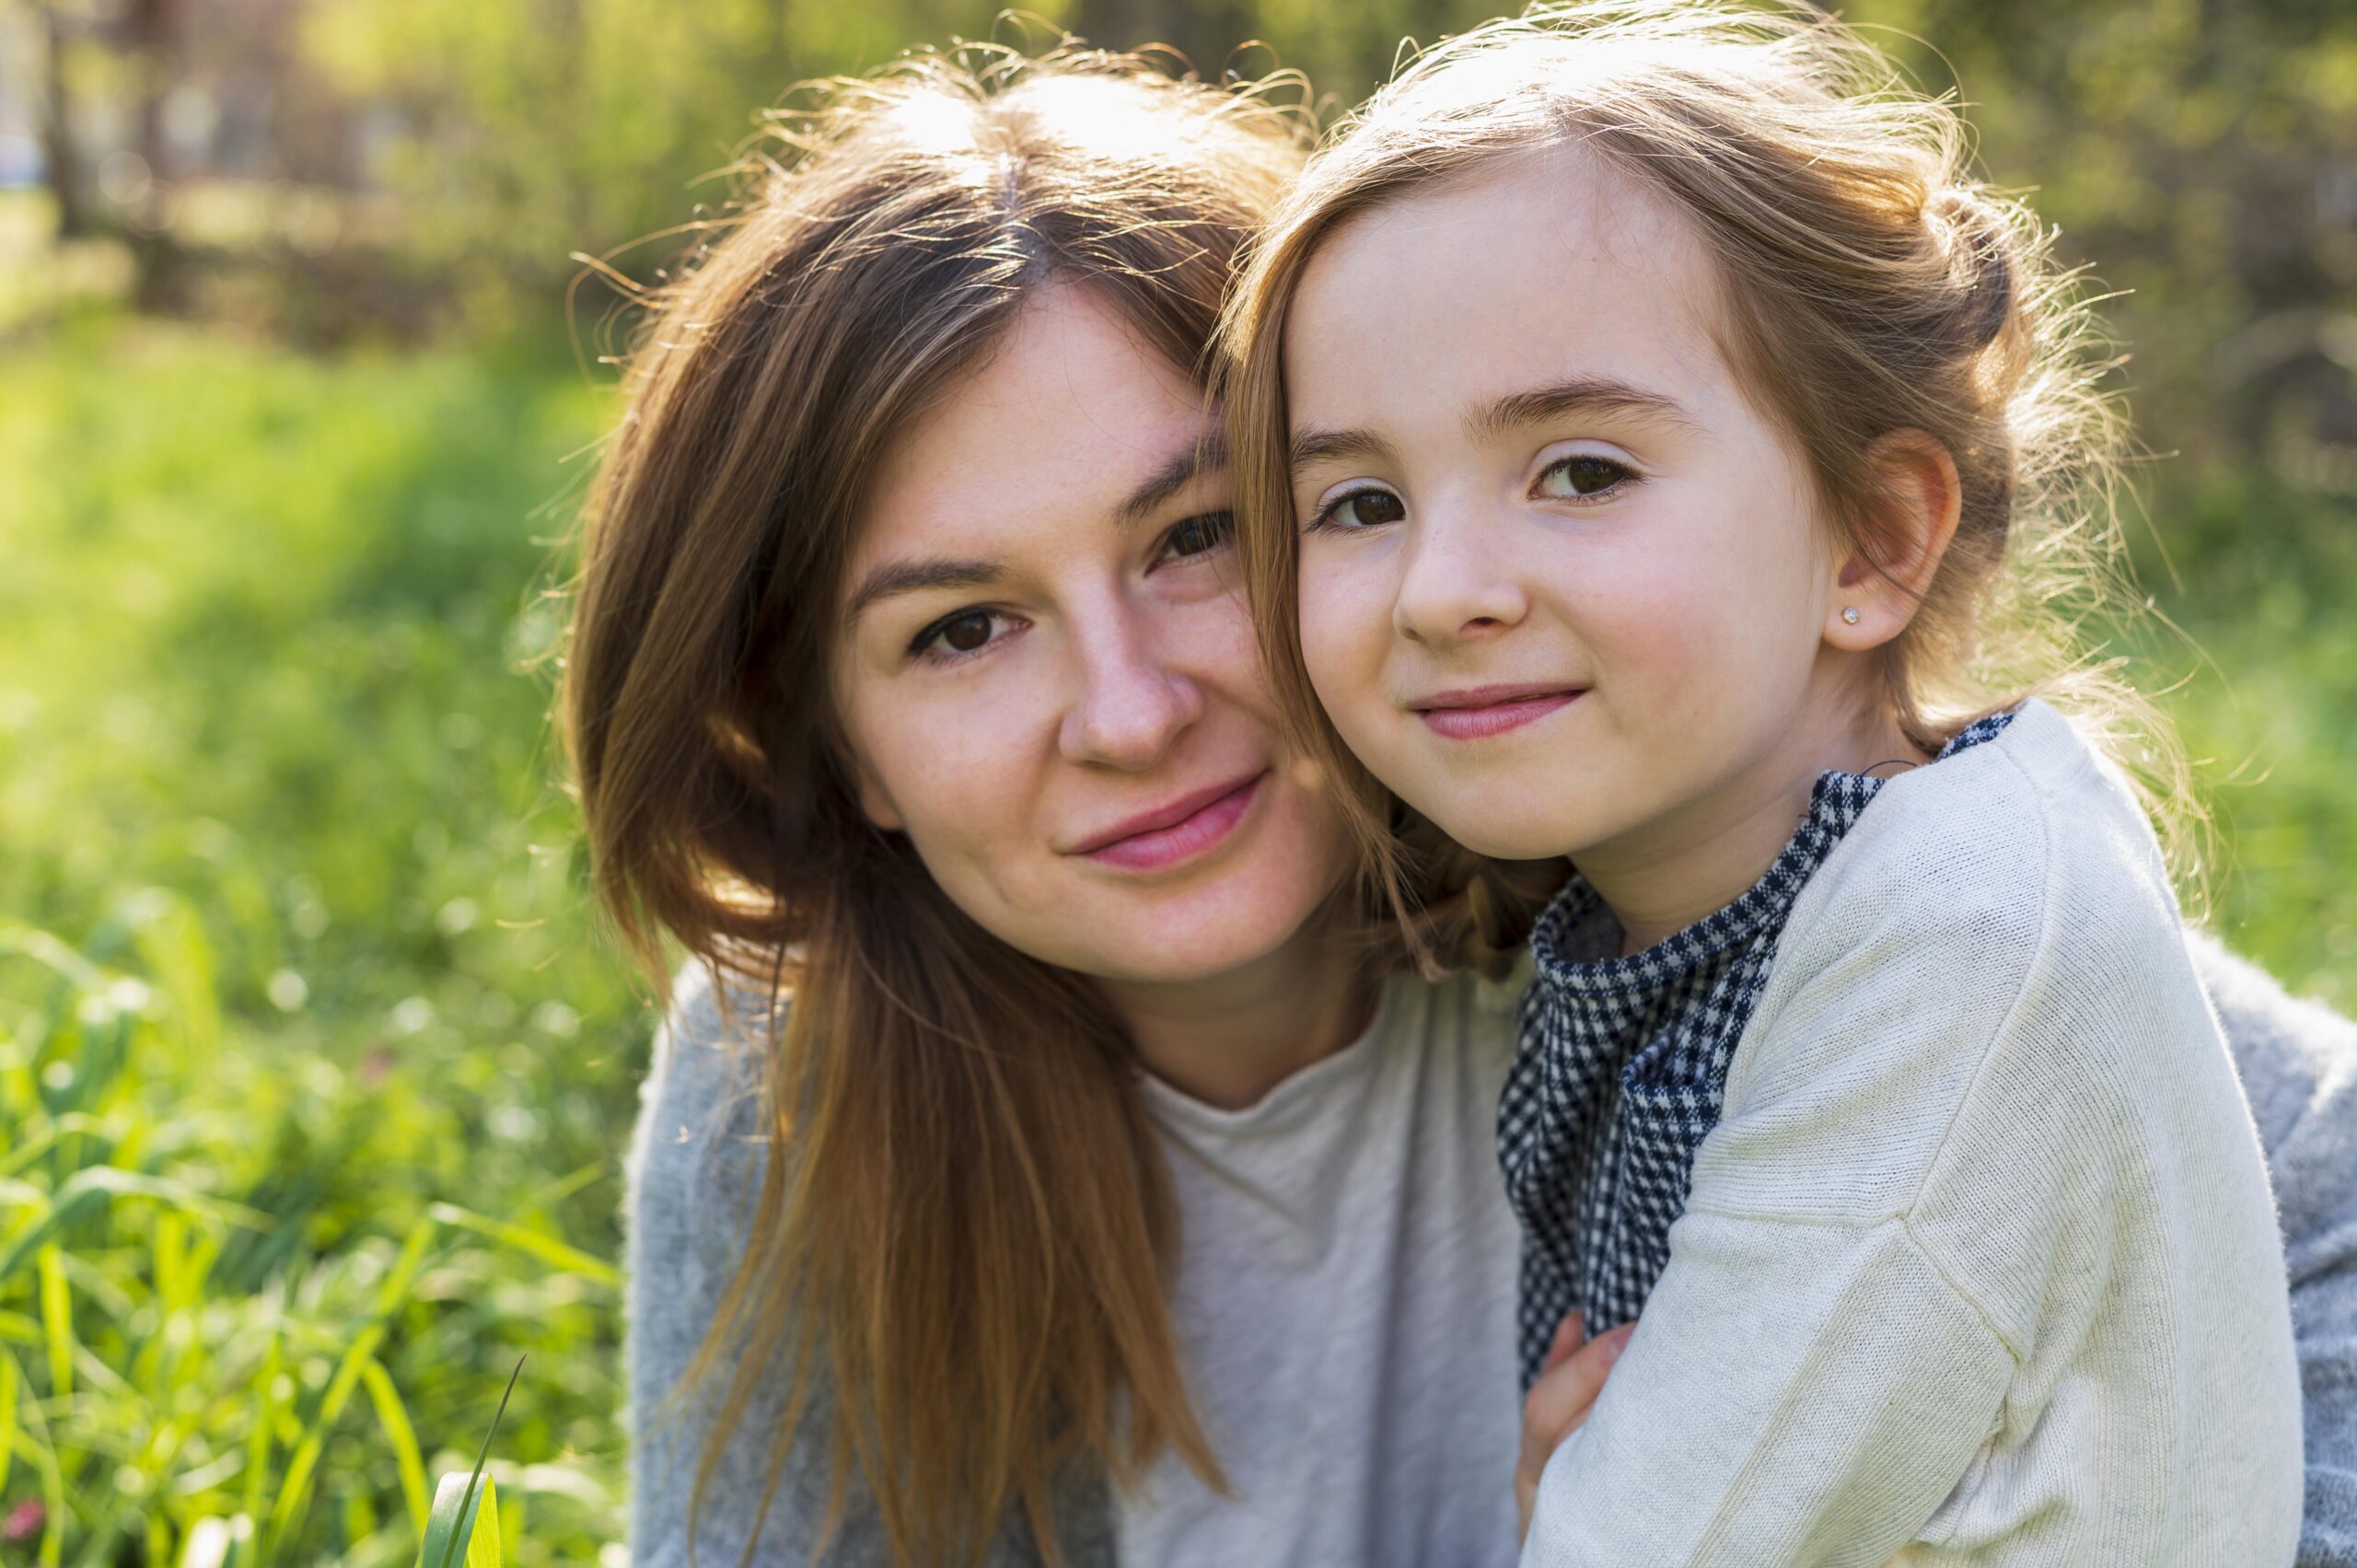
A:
<point x="1455" y="583"/>
<point x="1133" y="702"/>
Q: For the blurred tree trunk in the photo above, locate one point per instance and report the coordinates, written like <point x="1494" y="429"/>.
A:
<point x="1205" y="31"/>
<point x="151" y="37"/>
<point x="65" y="171"/>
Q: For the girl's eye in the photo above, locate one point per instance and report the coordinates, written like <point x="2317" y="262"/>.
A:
<point x="1582" y="474"/>
<point x="966" y="632"/>
<point x="1198" y="536"/>
<point x="1360" y="509"/>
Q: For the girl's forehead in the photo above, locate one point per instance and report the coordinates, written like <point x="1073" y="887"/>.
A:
<point x="1552" y="259"/>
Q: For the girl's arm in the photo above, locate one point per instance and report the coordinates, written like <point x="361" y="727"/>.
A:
<point x="2298" y="1062"/>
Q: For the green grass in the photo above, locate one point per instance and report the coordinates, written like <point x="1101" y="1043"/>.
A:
<point x="314" y="1074"/>
<point x="319" y="970"/>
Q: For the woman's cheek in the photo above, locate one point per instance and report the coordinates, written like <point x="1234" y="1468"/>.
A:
<point x="958" y="749"/>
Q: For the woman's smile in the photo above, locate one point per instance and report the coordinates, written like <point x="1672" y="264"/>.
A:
<point x="1192" y="825"/>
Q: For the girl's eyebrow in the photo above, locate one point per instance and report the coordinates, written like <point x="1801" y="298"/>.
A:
<point x="1590" y="395"/>
<point x="1323" y="446"/>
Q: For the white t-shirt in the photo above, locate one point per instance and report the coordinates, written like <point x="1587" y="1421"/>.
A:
<point x="1345" y="1302"/>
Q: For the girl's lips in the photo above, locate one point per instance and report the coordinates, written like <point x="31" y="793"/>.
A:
<point x="1196" y="833"/>
<point x="1472" y="715"/>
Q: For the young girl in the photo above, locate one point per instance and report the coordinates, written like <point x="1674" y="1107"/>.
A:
<point x="1654" y="451"/>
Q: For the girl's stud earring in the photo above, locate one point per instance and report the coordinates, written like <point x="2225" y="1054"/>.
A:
<point x="1850" y="614"/>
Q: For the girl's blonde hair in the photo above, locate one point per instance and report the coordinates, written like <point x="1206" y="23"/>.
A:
<point x="1872" y="284"/>
<point x="964" y="1229"/>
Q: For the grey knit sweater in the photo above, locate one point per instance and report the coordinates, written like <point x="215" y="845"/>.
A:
<point x="695" y="1163"/>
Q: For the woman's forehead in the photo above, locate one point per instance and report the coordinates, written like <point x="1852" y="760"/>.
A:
<point x="1060" y="431"/>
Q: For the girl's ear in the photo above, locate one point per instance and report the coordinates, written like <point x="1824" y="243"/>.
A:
<point x="1878" y="585"/>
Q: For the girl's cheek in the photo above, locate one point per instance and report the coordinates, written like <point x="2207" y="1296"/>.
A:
<point x="1345" y="631"/>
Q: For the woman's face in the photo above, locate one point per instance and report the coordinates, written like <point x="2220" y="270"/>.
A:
<point x="1048" y="682"/>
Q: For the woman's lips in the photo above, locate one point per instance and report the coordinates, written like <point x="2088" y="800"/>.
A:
<point x="1167" y="843"/>
<point x="1490" y="710"/>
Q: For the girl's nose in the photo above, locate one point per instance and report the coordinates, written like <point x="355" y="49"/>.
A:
<point x="1455" y="584"/>
<point x="1133" y="703"/>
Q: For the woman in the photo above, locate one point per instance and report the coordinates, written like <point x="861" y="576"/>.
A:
<point x="1137" y="1211"/>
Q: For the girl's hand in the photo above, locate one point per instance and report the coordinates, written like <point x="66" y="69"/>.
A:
<point x="1569" y="1381"/>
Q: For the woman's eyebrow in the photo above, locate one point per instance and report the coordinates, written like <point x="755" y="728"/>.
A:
<point x="1206" y="455"/>
<point x="915" y="576"/>
<point x="1589" y="395"/>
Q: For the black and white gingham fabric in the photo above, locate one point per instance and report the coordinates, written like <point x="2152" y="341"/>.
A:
<point x="1623" y="1069"/>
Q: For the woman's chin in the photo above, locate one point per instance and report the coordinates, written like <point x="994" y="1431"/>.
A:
<point x="1187" y="934"/>
<point x="1189" y="945"/>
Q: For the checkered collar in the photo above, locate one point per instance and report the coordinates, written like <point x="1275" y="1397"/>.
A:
<point x="1622" y="1071"/>
<point x="1576" y="939"/>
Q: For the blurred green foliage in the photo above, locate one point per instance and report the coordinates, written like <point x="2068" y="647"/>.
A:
<point x="315" y="1072"/>
<point x="268" y="767"/>
<point x="2202" y="157"/>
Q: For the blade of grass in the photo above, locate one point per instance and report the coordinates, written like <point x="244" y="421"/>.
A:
<point x="461" y="1514"/>
<point x="258" y="1440"/>
<point x="393" y="1416"/>
<point x="483" y="1456"/>
<point x="546" y="1249"/>
<point x="294" y="1491"/>
<point x="95" y="1187"/>
<point x="56" y="1319"/>
<point x="43" y="1452"/>
<point x="7" y="1417"/>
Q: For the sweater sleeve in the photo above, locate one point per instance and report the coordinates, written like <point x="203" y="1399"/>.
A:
<point x="695" y="1167"/>
<point x="1807" y="1383"/>
<point x="2298" y="1062"/>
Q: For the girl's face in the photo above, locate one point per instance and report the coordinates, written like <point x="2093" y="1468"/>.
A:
<point x="1564" y="586"/>
<point x="1048" y="682"/>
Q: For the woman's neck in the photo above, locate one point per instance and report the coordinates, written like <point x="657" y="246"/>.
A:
<point x="1689" y="863"/>
<point x="1228" y="1039"/>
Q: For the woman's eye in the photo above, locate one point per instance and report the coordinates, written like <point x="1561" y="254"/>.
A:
<point x="964" y="633"/>
<point x="967" y="632"/>
<point x="1582" y="475"/>
<point x="1360" y="509"/>
<point x="1199" y="536"/>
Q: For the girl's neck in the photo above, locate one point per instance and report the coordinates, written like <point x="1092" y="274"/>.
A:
<point x="1674" y="869"/>
<point x="1228" y="1039"/>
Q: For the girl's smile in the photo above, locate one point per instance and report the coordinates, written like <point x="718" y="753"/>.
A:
<point x="1479" y="711"/>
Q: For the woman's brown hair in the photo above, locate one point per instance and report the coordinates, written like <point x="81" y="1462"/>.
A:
<point x="964" y="1226"/>
<point x="1869" y="285"/>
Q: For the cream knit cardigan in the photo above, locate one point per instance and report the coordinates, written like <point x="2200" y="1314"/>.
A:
<point x="1981" y="1264"/>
